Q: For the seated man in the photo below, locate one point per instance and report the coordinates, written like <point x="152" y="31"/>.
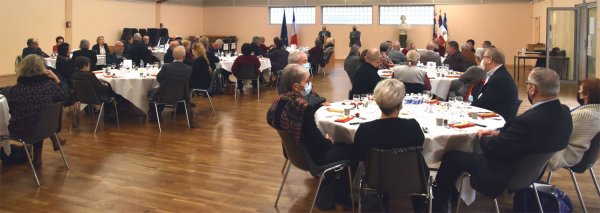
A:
<point x="168" y="58"/>
<point x="454" y="58"/>
<point x="33" y="47"/>
<point x="544" y="128"/>
<point x="385" y="62"/>
<point x="395" y="54"/>
<point x="430" y="55"/>
<point x="146" y="40"/>
<point x="467" y="55"/>
<point x="366" y="77"/>
<point x="173" y="71"/>
<point x="118" y="54"/>
<point x="102" y="88"/>
<point x="499" y="92"/>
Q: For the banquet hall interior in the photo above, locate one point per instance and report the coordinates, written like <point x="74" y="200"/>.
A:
<point x="231" y="159"/>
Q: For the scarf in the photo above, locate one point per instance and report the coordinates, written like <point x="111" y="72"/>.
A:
<point x="287" y="112"/>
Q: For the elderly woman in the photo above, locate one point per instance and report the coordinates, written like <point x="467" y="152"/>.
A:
<point x="586" y="125"/>
<point x="279" y="59"/>
<point x="413" y="77"/>
<point x="84" y="50"/>
<point x="352" y="62"/>
<point x="36" y="87"/>
<point x="291" y="113"/>
<point x="389" y="131"/>
<point x="246" y="59"/>
<point x="385" y="62"/>
<point x="329" y="48"/>
<point x="100" y="47"/>
<point x="315" y="56"/>
<point x="189" y="57"/>
<point x="201" y="70"/>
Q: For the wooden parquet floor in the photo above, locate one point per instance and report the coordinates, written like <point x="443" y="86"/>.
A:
<point x="231" y="163"/>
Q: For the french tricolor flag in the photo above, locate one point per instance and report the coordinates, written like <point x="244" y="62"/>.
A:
<point x="294" y="40"/>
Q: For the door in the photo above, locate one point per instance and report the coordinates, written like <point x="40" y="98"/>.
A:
<point x="590" y="49"/>
<point x="561" y="40"/>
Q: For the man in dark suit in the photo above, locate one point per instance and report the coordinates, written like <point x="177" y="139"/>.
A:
<point x="430" y="55"/>
<point x="545" y="128"/>
<point x="324" y="34"/>
<point x="173" y="71"/>
<point x="33" y="47"/>
<point x="118" y="54"/>
<point x="499" y="92"/>
<point x="139" y="51"/>
<point x="454" y="58"/>
<point x="354" y="37"/>
<point x="366" y="77"/>
<point x="168" y="58"/>
<point x="396" y="55"/>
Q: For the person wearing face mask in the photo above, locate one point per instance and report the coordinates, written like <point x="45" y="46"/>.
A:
<point x="499" y="92"/>
<point x="314" y="100"/>
<point x="586" y="125"/>
<point x="544" y="128"/>
<point x="291" y="113"/>
<point x="355" y="37"/>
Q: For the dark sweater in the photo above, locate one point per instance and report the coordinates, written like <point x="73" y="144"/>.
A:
<point x="365" y="80"/>
<point x="200" y="78"/>
<point x="245" y="60"/>
<point x="387" y="134"/>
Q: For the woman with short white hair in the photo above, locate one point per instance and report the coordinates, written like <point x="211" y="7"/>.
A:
<point x="415" y="79"/>
<point x="389" y="131"/>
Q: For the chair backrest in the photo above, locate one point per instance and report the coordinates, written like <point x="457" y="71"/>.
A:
<point x="414" y="88"/>
<point x="246" y="71"/>
<point x="295" y="151"/>
<point x="172" y="91"/>
<point x="85" y="92"/>
<point x="383" y="173"/>
<point x="589" y="157"/>
<point x="46" y="124"/>
<point x="528" y="170"/>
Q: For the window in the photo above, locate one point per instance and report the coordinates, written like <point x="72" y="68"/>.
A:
<point x="348" y="15"/>
<point x="414" y="14"/>
<point x="304" y="15"/>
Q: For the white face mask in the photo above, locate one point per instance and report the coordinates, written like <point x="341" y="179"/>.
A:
<point x="306" y="65"/>
<point x="481" y="65"/>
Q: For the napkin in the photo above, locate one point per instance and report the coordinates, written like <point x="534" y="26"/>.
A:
<point x="452" y="76"/>
<point x="335" y="110"/>
<point x="433" y="102"/>
<point x="344" y="119"/>
<point x="487" y="114"/>
<point x="462" y="125"/>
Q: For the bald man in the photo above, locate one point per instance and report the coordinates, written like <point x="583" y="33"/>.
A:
<point x="168" y="58"/>
<point x="173" y="71"/>
<point x="118" y="54"/>
<point x="366" y="77"/>
<point x="395" y="54"/>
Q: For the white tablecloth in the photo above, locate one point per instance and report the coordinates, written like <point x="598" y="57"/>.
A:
<point x="227" y="62"/>
<point x="132" y="87"/>
<point x="4" y="118"/>
<point x="51" y="62"/>
<point x="440" y="86"/>
<point x="160" y="54"/>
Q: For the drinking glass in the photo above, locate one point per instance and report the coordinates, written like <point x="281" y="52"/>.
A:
<point x="355" y="97"/>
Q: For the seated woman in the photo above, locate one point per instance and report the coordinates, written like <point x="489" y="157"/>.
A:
<point x="100" y="47"/>
<point x="201" y="71"/>
<point x="59" y="40"/>
<point x="328" y="51"/>
<point x="189" y="57"/>
<point x="413" y="75"/>
<point x="103" y="89"/>
<point x="389" y="131"/>
<point x="247" y="61"/>
<point x="586" y="123"/>
<point x="279" y="59"/>
<point x="84" y="50"/>
<point x="315" y="57"/>
<point x="36" y="88"/>
<point x="64" y="64"/>
<point x="469" y="84"/>
<point x="291" y="113"/>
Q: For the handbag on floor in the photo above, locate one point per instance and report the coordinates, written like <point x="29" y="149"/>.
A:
<point x="17" y="155"/>
<point x="552" y="199"/>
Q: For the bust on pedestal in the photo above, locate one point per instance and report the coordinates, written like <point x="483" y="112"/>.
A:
<point x="403" y="28"/>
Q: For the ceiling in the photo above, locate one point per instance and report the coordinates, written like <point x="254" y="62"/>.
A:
<point x="323" y="2"/>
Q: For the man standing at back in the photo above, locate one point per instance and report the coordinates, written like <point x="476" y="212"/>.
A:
<point x="324" y="34"/>
<point x="545" y="128"/>
<point x="173" y="71"/>
<point x="499" y="92"/>
<point x="139" y="51"/>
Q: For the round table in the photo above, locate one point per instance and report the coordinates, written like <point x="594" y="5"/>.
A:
<point x="440" y="86"/>
<point x="438" y="139"/>
<point x="51" y="61"/>
<point x="131" y="86"/>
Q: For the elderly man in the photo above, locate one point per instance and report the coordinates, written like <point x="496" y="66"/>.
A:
<point x="396" y="54"/>
<point x="139" y="51"/>
<point x="431" y="56"/>
<point x="366" y="77"/>
<point x="173" y="71"/>
<point x="324" y="34"/>
<point x="545" y="128"/>
<point x="146" y="40"/>
<point x="440" y="47"/>
<point x="499" y="92"/>
<point x="216" y="47"/>
<point x="169" y="55"/>
<point x="118" y="54"/>
<point x="385" y="62"/>
<point x="355" y="37"/>
<point x="314" y="100"/>
<point x="33" y="47"/>
<point x="454" y="59"/>
<point x="467" y="55"/>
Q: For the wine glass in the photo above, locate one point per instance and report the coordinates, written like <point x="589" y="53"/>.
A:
<point x="355" y="97"/>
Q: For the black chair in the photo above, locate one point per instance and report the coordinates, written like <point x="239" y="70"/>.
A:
<point x="414" y="88"/>
<point x="587" y="163"/>
<point x="527" y="172"/>
<point x="515" y="109"/>
<point x="171" y="93"/>
<point x="299" y="157"/>
<point x="45" y="127"/>
<point x="247" y="72"/>
<point x="328" y="63"/>
<point x="86" y="93"/>
<point x="126" y="32"/>
<point x="154" y="36"/>
<point x="143" y="32"/>
<point x="383" y="176"/>
<point x="163" y="33"/>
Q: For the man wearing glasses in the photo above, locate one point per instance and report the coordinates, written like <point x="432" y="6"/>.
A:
<point x="499" y="92"/>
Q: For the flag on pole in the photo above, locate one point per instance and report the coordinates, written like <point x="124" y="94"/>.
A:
<point x="284" y="34"/>
<point x="294" y="40"/>
<point x="445" y="24"/>
<point x="442" y="32"/>
<point x="434" y="27"/>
